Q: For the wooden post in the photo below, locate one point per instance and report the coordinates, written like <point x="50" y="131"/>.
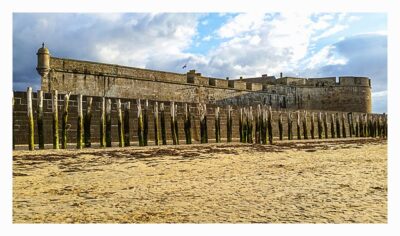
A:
<point x="250" y="119"/>
<point x="298" y="126"/>
<point x="366" y="125"/>
<point x="156" y="126"/>
<point x="385" y="125"/>
<point x="270" y="135"/>
<point x="332" y="125"/>
<point x="264" y="125"/>
<point x="229" y="124"/>
<point x="188" y="125"/>
<point x="378" y="124"/>
<point x="140" y="123"/>
<point x="344" y="125"/>
<point x="326" y="125"/>
<point x="312" y="125"/>
<point x="319" y="120"/>
<point x="40" y="119"/>
<point x="79" y="129"/>
<point x="55" y="119"/>
<point x="203" y="123"/>
<point x="258" y="125"/>
<point x="173" y="131"/>
<point x="31" y="138"/>
<point x="108" y="123"/>
<point x="64" y="128"/>
<point x="290" y="122"/>
<point x="241" y="125"/>
<point x="176" y="124"/>
<point x="120" y="124"/>
<point x="217" y="126"/>
<point x="127" y="135"/>
<point x="244" y="124"/>
<point x="361" y="124"/>
<point x="87" y="122"/>
<point x="357" y="126"/>
<point x="305" y="125"/>
<point x="280" y="126"/>
<point x="163" y="130"/>
<point x="103" y="123"/>
<point x="350" y="122"/>
<point x="337" y="125"/>
<point x="145" y="123"/>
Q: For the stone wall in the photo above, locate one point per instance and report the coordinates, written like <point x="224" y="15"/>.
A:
<point x="351" y="94"/>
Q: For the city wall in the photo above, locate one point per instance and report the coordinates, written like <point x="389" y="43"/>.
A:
<point x="349" y="94"/>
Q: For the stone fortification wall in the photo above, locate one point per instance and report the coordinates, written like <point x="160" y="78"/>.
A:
<point x="98" y="79"/>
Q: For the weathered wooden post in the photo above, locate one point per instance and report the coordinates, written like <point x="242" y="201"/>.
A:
<point x="264" y="125"/>
<point x="337" y="125"/>
<point x="361" y="124"/>
<point x="229" y="124"/>
<point x="357" y="126"/>
<point x="79" y="129"/>
<point x="319" y="120"/>
<point x="173" y="131"/>
<point x="55" y="119"/>
<point x="258" y="125"/>
<point x="188" y="125"/>
<point x="344" y="125"/>
<point x="39" y="119"/>
<point x="332" y="125"/>
<point x="270" y="134"/>
<point x="365" y="122"/>
<point x="162" y="120"/>
<point x="127" y="135"/>
<point x="244" y="124"/>
<point x="350" y="123"/>
<point x="64" y="121"/>
<point x="13" y="140"/>
<point x="298" y="126"/>
<point x="108" y="123"/>
<point x="326" y="125"/>
<point x="250" y="120"/>
<point x="241" y="125"/>
<point x="203" y="123"/>
<point x="305" y="125"/>
<point x="176" y="124"/>
<point x="103" y="123"/>
<point x="140" y="123"/>
<point x="145" y="123"/>
<point x="31" y="138"/>
<point x="87" y="122"/>
<point x="217" y="126"/>
<point x="290" y="122"/>
<point x="280" y="126"/>
<point x="156" y="126"/>
<point x="312" y="125"/>
<point x="379" y="127"/>
<point x="120" y="124"/>
<point x="385" y="125"/>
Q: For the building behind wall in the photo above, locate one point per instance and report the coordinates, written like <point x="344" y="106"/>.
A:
<point x="348" y="94"/>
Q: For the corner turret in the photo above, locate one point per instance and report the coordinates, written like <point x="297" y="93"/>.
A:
<point x="43" y="61"/>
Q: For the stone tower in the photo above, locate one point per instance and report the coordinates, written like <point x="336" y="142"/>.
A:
<point x="43" y="61"/>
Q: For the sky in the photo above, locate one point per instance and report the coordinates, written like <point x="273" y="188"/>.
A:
<point x="214" y="44"/>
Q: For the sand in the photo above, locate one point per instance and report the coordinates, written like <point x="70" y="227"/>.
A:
<point x="343" y="181"/>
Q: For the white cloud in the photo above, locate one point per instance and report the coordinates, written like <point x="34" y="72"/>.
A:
<point x="241" y="23"/>
<point x="379" y="94"/>
<point x="207" y="38"/>
<point x="324" y="57"/>
<point x="331" y="31"/>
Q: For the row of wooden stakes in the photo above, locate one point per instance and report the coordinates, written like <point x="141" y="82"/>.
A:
<point x="365" y="125"/>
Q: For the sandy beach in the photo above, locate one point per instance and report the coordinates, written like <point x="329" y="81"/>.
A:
<point x="319" y="181"/>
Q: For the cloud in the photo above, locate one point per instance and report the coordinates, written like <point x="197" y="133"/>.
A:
<point x="128" y="39"/>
